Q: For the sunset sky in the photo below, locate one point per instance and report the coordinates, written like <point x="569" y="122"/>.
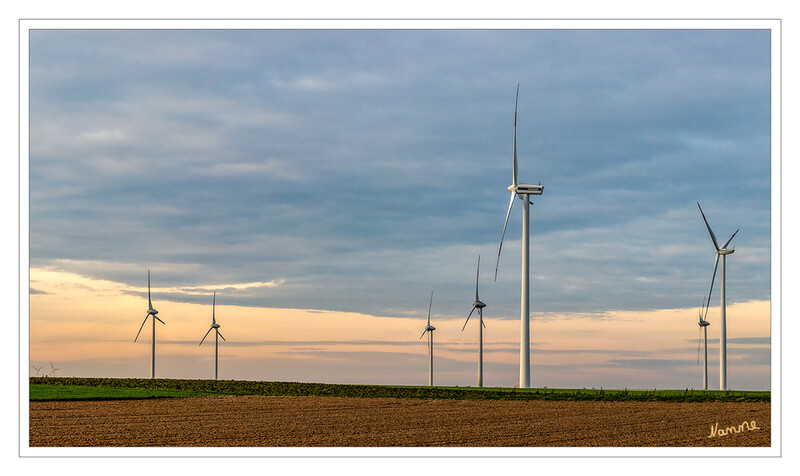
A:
<point x="324" y="181"/>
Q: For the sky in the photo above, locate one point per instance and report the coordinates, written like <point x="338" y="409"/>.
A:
<point x="324" y="182"/>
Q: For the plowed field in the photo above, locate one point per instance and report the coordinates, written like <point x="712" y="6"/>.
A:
<point x="336" y="421"/>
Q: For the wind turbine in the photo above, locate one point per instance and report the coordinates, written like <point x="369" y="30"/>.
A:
<point x="724" y="251"/>
<point x="429" y="329"/>
<point x="38" y="369"/>
<point x="54" y="369"/>
<point x="477" y="304"/>
<point x="523" y="192"/>
<point x="215" y="327"/>
<point x="704" y="326"/>
<point x="150" y="312"/>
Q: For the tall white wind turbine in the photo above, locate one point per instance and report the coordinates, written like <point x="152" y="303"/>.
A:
<point x="150" y="312"/>
<point x="523" y="192"/>
<point x="723" y="345"/>
<point x="38" y="369"/>
<point x="215" y="327"/>
<point x="53" y="369"/>
<point x="429" y="329"/>
<point x="477" y="304"/>
<point x="704" y="326"/>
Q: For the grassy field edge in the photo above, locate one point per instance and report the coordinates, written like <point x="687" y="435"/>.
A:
<point x="87" y="388"/>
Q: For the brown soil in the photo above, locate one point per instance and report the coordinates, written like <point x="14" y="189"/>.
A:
<point x="335" y="421"/>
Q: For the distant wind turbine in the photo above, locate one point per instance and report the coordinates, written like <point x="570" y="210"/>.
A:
<point x="38" y="369"/>
<point x="477" y="304"/>
<point x="523" y="192"/>
<point x="150" y="312"/>
<point x="54" y="369"/>
<point x="215" y="327"/>
<point x="429" y="329"/>
<point x="704" y="326"/>
<point x="723" y="345"/>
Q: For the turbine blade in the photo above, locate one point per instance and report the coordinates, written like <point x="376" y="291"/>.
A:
<point x="700" y="313"/>
<point x="516" y="103"/>
<point x="477" y="278"/>
<point x="159" y="320"/>
<point x="713" y="238"/>
<point x="729" y="239"/>
<point x="505" y="225"/>
<point x="220" y="334"/>
<point x="470" y="315"/>
<point x="699" y="331"/>
<point x="149" y="301"/>
<point x="213" y="307"/>
<point x="716" y="263"/>
<point x="204" y="337"/>
<point x="142" y="326"/>
<point x="429" y="309"/>
<point x="423" y="333"/>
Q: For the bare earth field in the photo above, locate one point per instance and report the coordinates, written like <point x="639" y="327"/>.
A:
<point x="338" y="421"/>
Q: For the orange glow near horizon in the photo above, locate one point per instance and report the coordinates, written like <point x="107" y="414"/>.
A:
<point x="86" y="327"/>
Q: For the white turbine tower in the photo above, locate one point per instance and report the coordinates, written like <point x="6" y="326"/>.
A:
<point x="477" y="304"/>
<point x="523" y="192"/>
<point x="429" y="329"/>
<point x="704" y="326"/>
<point x="723" y="345"/>
<point x="215" y="327"/>
<point x="150" y="312"/>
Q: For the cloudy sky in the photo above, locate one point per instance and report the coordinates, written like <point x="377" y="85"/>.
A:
<point x="324" y="182"/>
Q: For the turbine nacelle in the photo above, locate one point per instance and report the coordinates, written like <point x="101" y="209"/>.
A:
<point x="725" y="252"/>
<point x="215" y="326"/>
<point x="151" y="312"/>
<point x="478" y="304"/>
<point x="526" y="189"/>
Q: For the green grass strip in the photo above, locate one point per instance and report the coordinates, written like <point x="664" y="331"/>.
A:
<point x="117" y="388"/>
<point x="42" y="392"/>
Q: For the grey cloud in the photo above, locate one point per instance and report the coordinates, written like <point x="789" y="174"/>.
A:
<point x="372" y="167"/>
